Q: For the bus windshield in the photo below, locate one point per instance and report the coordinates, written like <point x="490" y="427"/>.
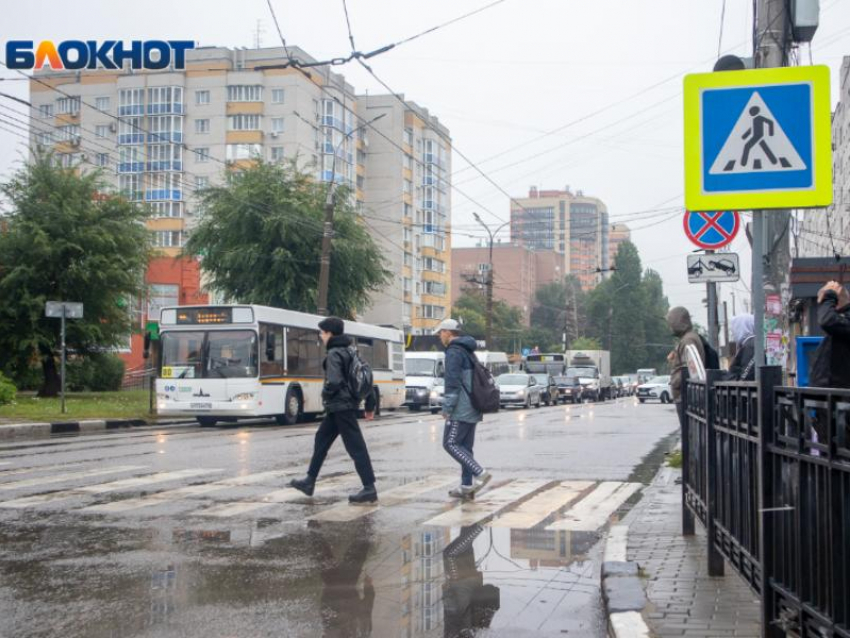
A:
<point x="209" y="354"/>
<point x="420" y="367"/>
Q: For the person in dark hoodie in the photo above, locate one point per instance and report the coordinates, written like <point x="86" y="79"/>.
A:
<point x="340" y="415"/>
<point x="679" y="321"/>
<point x="830" y="366"/>
<point x="461" y="416"/>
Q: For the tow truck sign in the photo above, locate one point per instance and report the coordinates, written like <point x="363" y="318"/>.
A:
<point x="713" y="267"/>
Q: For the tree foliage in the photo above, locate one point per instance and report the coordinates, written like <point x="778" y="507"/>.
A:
<point x="559" y="308"/>
<point x="260" y="237"/>
<point x="64" y="240"/>
<point x="471" y="308"/>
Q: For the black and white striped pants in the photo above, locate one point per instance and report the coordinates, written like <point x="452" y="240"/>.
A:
<point x="458" y="441"/>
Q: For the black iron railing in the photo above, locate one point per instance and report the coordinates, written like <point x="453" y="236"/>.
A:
<point x="766" y="469"/>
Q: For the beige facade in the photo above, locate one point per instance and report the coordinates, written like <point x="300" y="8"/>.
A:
<point x="616" y="236"/>
<point x="824" y="232"/>
<point x="569" y="223"/>
<point x="518" y="272"/>
<point x="162" y="135"/>
<point x="407" y="206"/>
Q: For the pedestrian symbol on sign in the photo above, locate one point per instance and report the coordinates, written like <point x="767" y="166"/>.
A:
<point x="757" y="143"/>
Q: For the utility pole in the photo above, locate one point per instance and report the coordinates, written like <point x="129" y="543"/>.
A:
<point x="489" y="279"/>
<point x="771" y="248"/>
<point x="328" y="228"/>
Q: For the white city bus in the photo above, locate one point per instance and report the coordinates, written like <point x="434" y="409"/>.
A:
<point x="226" y="362"/>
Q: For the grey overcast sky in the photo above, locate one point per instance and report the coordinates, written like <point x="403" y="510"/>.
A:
<point x="501" y="78"/>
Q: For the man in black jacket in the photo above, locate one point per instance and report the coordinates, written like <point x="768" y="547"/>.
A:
<point x="340" y="415"/>
<point x="831" y="362"/>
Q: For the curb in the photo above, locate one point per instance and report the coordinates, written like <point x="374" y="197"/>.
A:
<point x="20" y="430"/>
<point x="622" y="590"/>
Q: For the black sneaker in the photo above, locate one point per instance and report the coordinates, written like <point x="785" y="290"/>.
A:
<point x="306" y="485"/>
<point x="367" y="495"/>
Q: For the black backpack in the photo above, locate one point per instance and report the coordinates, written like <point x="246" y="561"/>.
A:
<point x="712" y="360"/>
<point x="360" y="380"/>
<point x="485" y="393"/>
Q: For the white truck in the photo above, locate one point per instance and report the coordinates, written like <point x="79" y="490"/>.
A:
<point x="423" y="371"/>
<point x="593" y="368"/>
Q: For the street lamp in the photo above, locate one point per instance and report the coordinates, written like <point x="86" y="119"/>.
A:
<point x="489" y="283"/>
<point x="327" y="231"/>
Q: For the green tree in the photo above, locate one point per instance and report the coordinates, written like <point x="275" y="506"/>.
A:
<point x="586" y="343"/>
<point x="66" y="241"/>
<point x="471" y="308"/>
<point x="658" y="337"/>
<point x="559" y="307"/>
<point x="260" y="238"/>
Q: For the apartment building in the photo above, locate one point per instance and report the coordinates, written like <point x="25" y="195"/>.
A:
<point x="617" y="234"/>
<point x="406" y="206"/>
<point x="161" y="136"/>
<point x="569" y="223"/>
<point x="824" y="232"/>
<point x="518" y="271"/>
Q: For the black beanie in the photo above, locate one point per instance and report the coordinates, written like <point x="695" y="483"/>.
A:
<point x="334" y="325"/>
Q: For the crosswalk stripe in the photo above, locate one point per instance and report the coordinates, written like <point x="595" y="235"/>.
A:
<point x="486" y="504"/>
<point x="102" y="488"/>
<point x="343" y="512"/>
<point x="593" y="511"/>
<point x="535" y="510"/>
<point x="189" y="491"/>
<point x="69" y="476"/>
<point x="274" y="497"/>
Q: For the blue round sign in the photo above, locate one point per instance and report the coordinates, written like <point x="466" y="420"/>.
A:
<point x="711" y="230"/>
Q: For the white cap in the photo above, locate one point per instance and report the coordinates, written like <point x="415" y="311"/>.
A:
<point x="447" y="324"/>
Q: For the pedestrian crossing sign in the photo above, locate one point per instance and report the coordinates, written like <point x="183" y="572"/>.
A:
<point x="758" y="139"/>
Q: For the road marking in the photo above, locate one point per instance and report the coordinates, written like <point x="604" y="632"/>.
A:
<point x="538" y="508"/>
<point x="593" y="511"/>
<point x="486" y="504"/>
<point x="274" y="497"/>
<point x="190" y="491"/>
<point x="617" y="544"/>
<point x="69" y="476"/>
<point x="102" y="488"/>
<point x="343" y="512"/>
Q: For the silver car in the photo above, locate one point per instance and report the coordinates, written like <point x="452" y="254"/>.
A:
<point x="518" y="389"/>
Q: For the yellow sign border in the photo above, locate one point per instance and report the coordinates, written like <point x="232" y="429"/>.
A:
<point x="822" y="192"/>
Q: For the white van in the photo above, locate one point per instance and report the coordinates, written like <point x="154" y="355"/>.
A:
<point x="423" y="370"/>
<point x="495" y="362"/>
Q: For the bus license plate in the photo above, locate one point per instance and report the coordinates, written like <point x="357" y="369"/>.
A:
<point x="201" y="406"/>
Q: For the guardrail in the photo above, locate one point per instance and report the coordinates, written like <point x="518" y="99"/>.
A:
<point x="766" y="470"/>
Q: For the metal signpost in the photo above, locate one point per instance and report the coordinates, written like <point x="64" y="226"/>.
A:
<point x="710" y="231"/>
<point x="758" y="139"/>
<point x="63" y="310"/>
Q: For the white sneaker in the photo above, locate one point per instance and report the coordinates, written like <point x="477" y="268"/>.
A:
<point x="477" y="483"/>
<point x="461" y="492"/>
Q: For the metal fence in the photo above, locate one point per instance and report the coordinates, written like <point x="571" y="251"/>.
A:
<point x="767" y="472"/>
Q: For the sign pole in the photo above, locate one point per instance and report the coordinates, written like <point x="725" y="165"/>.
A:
<point x="62" y="369"/>
<point x="711" y="303"/>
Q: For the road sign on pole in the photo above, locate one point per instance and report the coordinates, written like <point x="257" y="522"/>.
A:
<point x="711" y="231"/>
<point x="713" y="267"/>
<point x="758" y="139"/>
<point x="63" y="310"/>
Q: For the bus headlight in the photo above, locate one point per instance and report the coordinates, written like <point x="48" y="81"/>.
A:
<point x="245" y="396"/>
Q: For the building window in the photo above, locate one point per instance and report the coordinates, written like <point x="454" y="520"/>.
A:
<point x="408" y="234"/>
<point x="165" y="99"/>
<point x="202" y="126"/>
<point x="69" y="134"/>
<point x="68" y="105"/>
<point x="244" y="151"/>
<point x="45" y="110"/>
<point x="276" y="154"/>
<point x="435" y="288"/>
<point x="167" y="128"/>
<point x="102" y="104"/>
<point x="202" y="97"/>
<point x="165" y="157"/>
<point x="162" y="295"/>
<point x="277" y="125"/>
<point x="408" y="259"/>
<point x="201" y="182"/>
<point x="434" y="265"/>
<point x="202" y="155"/>
<point x="244" y="93"/>
<point x="168" y="238"/>
<point x="433" y="312"/>
<point x="166" y="209"/>
<point x="277" y="96"/>
<point x="102" y="159"/>
<point x="243" y="123"/>
<point x="408" y="186"/>
<point x="101" y="130"/>
<point x="408" y="284"/>
<point x="131" y="102"/>
<point x="408" y="136"/>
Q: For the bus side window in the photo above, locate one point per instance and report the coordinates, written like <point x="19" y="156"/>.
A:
<point x="366" y="350"/>
<point x="271" y="343"/>
<point x="303" y="353"/>
<point x="380" y="355"/>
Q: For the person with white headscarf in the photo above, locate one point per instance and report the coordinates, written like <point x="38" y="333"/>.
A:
<point x="743" y="365"/>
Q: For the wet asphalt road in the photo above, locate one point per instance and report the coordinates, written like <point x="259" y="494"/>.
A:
<point x="191" y="532"/>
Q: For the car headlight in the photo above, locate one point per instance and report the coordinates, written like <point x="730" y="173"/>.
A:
<point x="521" y="393"/>
<point x="245" y="396"/>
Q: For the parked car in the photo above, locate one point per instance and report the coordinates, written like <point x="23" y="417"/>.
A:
<point x="633" y="384"/>
<point x="618" y="388"/>
<point x="656" y="388"/>
<point x="548" y="388"/>
<point x="518" y="389"/>
<point x="569" y="389"/>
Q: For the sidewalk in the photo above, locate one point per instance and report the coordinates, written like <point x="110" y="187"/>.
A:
<point x="683" y="599"/>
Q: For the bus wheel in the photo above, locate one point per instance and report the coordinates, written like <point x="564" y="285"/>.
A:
<point x="292" y="406"/>
<point x="206" y="421"/>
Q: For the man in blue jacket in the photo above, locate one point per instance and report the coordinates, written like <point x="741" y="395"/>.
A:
<point x="461" y="416"/>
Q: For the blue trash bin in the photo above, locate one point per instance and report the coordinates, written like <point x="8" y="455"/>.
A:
<point x="806" y="347"/>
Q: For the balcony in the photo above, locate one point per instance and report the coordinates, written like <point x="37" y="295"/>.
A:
<point x="165" y="166"/>
<point x="132" y="110"/>
<point x="131" y="167"/>
<point x="173" y="108"/>
<point x="163" y="194"/>
<point x="131" y="138"/>
<point x="165" y="137"/>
